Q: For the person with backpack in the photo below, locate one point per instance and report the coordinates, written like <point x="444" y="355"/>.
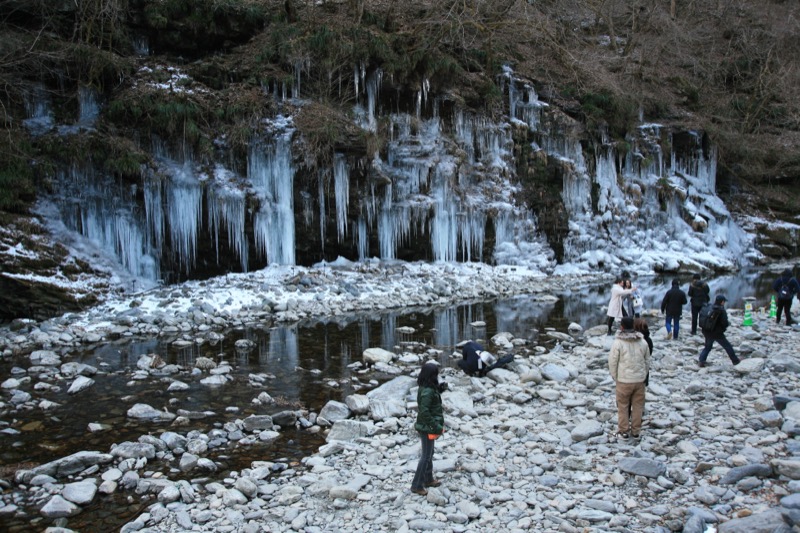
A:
<point x="629" y="366"/>
<point x="786" y="286"/>
<point x="672" y="306"/>
<point x="429" y="425"/>
<point x="699" y="295"/>
<point x="713" y="323"/>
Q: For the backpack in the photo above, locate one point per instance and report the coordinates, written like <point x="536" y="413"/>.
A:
<point x="708" y="318"/>
<point x="785" y="292"/>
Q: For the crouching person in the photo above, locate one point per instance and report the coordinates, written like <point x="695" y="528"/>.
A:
<point x="629" y="363"/>
<point x="475" y="359"/>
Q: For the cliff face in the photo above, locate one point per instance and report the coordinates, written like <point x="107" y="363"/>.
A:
<point x="189" y="139"/>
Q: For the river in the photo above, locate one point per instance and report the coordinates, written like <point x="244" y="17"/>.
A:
<point x="306" y="364"/>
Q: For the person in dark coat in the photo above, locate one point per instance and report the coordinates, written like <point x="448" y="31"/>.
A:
<point x="786" y="286"/>
<point x="475" y="359"/>
<point x="672" y="306"/>
<point x="429" y="425"/>
<point x="699" y="295"/>
<point x="718" y="332"/>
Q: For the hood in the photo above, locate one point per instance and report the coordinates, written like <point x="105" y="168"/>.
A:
<point x="629" y="335"/>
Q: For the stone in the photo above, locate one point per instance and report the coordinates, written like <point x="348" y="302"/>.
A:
<point x="642" y="467"/>
<point x="586" y="430"/>
<point x="377" y="355"/>
<point x="348" y="430"/>
<point x="58" y="507"/>
<point x="81" y="383"/>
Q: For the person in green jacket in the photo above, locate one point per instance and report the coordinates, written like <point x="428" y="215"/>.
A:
<point x="430" y="424"/>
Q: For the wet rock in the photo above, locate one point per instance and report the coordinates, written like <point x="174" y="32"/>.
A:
<point x="57" y="507"/>
<point x="144" y="411"/>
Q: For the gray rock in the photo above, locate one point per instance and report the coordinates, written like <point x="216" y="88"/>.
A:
<point x="642" y="467"/>
<point x="44" y="358"/>
<point x="257" y="422"/>
<point x="393" y="390"/>
<point x="586" y="430"/>
<point x="780" y="401"/>
<point x="555" y="372"/>
<point x="143" y="411"/>
<point x="58" y="507"/>
<point x="66" y="466"/>
<point x="791" y="501"/>
<point x="357" y="403"/>
<point x="740" y="472"/>
<point x="380" y="409"/>
<point x="81" y="383"/>
<point x="377" y="355"/>
<point x="80" y="493"/>
<point x="134" y="450"/>
<point x="347" y="430"/>
<point x="285" y="419"/>
<point x="174" y="440"/>
<point x="787" y="467"/>
<point x="767" y="522"/>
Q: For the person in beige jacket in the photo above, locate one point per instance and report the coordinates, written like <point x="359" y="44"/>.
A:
<point x="629" y="363"/>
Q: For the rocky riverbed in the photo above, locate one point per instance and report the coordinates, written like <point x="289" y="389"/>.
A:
<point x="529" y="447"/>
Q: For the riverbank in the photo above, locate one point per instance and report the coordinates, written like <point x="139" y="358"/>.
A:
<point x="531" y="447"/>
<point x="197" y="310"/>
<point x="528" y="447"/>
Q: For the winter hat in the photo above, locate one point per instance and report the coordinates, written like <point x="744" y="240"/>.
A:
<point x="720" y="298"/>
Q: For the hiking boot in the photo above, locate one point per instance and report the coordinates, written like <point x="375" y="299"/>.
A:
<point x="434" y="483"/>
<point x="421" y="492"/>
<point x="701" y="364"/>
<point x="622" y="437"/>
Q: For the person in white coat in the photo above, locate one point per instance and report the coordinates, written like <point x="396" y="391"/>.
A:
<point x="616" y="309"/>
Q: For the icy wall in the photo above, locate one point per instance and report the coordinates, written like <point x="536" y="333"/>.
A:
<point x="443" y="188"/>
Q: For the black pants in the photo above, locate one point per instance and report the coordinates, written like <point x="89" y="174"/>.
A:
<point x="785" y="306"/>
<point x="695" y="315"/>
<point x="424" y="473"/>
<point x="720" y="339"/>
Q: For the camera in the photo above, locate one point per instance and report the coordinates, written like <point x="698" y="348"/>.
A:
<point x="442" y="387"/>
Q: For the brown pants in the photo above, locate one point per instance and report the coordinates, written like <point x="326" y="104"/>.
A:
<point x="630" y="398"/>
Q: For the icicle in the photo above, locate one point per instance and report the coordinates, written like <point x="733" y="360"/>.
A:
<point x="388" y="329"/>
<point x="140" y="45"/>
<point x="444" y="232"/>
<point x="373" y="92"/>
<point x="37" y="106"/>
<point x="363" y="240"/>
<point x="184" y="215"/>
<point x="271" y="171"/>
<point x="341" y="181"/>
<point x="228" y="207"/>
<point x="154" y="211"/>
<point x="89" y="107"/>
<point x="321" y="201"/>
